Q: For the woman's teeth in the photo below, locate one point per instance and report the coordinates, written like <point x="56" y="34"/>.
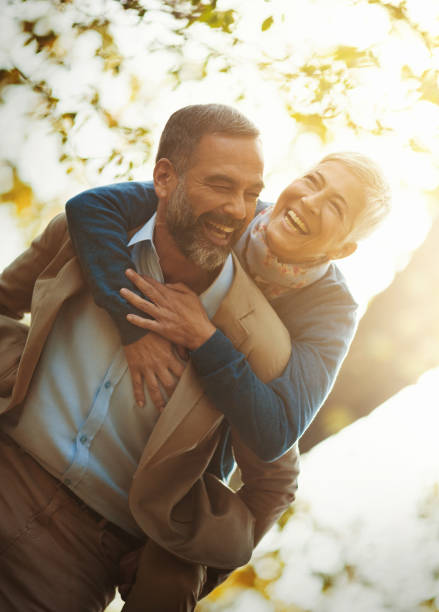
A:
<point x="296" y="222"/>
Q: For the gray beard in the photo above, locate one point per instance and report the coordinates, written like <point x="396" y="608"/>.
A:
<point x="188" y="233"/>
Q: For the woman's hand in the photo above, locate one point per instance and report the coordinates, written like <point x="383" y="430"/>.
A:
<point x="153" y="360"/>
<point x="176" y="311"/>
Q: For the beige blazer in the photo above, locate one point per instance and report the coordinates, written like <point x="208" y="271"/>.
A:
<point x="189" y="512"/>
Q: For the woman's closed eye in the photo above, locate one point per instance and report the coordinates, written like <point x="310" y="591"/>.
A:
<point x="336" y="206"/>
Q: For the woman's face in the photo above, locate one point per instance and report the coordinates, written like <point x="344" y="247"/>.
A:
<point x="315" y="213"/>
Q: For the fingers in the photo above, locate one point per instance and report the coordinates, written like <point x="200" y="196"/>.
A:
<point x="176" y="367"/>
<point x="147" y="285"/>
<point x="153" y="289"/>
<point x="138" y="302"/>
<point x="183" y="353"/>
<point x="153" y="362"/>
<point x="168" y="381"/>
<point x="138" y="390"/>
<point x="143" y="323"/>
<point x="180" y="288"/>
<point x="154" y="390"/>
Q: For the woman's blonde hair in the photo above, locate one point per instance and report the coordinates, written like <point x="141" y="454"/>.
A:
<point x="376" y="188"/>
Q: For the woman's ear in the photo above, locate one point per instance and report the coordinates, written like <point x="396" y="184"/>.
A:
<point x="165" y="178"/>
<point x="344" y="251"/>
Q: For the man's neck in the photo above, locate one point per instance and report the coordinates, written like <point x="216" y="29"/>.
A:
<point x="175" y="266"/>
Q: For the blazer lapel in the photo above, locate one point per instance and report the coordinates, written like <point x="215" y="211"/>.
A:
<point x="188" y="393"/>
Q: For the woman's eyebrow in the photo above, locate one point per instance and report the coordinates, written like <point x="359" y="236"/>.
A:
<point x="323" y="183"/>
<point x="321" y="179"/>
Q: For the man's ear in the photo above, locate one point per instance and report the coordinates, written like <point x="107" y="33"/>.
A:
<point x="346" y="249"/>
<point x="165" y="178"/>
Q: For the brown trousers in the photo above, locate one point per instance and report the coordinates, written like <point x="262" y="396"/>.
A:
<point x="55" y="556"/>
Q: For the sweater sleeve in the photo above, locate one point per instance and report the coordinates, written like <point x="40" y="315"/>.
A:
<point x="99" y="221"/>
<point x="270" y="417"/>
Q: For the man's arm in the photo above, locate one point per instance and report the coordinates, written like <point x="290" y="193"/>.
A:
<point x="18" y="278"/>
<point x="320" y="318"/>
<point x="17" y="283"/>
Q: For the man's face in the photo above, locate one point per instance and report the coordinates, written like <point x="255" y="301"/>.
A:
<point x="314" y="215"/>
<point x="216" y="198"/>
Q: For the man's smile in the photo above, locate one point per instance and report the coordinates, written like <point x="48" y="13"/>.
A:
<point x="220" y="233"/>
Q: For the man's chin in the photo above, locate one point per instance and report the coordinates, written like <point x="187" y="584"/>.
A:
<point x="201" y="251"/>
<point x="204" y="254"/>
<point x="208" y="259"/>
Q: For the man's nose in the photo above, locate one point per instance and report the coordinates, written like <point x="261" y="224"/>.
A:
<point x="236" y="206"/>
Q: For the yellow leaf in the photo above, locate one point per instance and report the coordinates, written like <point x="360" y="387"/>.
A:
<point x="20" y="194"/>
<point x="267" y="23"/>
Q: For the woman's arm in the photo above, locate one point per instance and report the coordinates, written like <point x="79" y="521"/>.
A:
<point x="99" y="221"/>
<point x="320" y="318"/>
<point x="269" y="417"/>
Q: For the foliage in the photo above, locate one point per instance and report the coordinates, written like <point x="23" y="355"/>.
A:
<point x="107" y="66"/>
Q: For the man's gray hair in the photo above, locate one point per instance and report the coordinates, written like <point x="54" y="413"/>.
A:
<point x="186" y="126"/>
<point x="376" y="187"/>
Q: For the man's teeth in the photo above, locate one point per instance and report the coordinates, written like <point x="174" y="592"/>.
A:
<point x="221" y="228"/>
<point x="296" y="222"/>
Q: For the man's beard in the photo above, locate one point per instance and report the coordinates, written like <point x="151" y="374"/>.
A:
<point x="188" y="233"/>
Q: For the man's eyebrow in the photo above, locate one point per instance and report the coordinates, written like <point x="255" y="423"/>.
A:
<point x="323" y="183"/>
<point x="224" y="178"/>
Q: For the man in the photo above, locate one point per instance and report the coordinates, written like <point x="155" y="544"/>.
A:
<point x="77" y="444"/>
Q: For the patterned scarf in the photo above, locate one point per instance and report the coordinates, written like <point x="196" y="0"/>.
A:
<point x="273" y="277"/>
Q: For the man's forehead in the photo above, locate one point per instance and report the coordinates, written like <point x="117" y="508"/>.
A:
<point x="230" y="152"/>
<point x="215" y="142"/>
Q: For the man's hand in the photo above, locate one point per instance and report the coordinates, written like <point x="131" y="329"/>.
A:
<point x="176" y="311"/>
<point x="153" y="359"/>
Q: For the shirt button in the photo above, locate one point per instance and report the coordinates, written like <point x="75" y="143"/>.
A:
<point x="107" y="385"/>
<point x="83" y="439"/>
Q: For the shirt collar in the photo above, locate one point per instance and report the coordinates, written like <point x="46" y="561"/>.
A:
<point x="146" y="232"/>
<point x="212" y="297"/>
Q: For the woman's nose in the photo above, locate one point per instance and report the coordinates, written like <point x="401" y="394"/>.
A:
<point x="312" y="202"/>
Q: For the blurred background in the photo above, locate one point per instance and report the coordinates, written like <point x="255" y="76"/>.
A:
<point x="85" y="89"/>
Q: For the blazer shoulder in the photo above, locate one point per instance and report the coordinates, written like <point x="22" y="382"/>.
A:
<point x="253" y="326"/>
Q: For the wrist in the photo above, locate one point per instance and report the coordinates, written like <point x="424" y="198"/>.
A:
<point x="203" y="334"/>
